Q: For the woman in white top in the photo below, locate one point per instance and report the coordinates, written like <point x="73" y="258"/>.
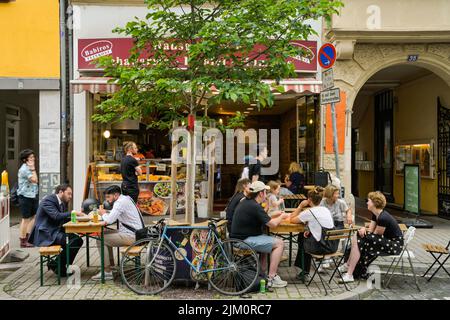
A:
<point x="316" y="218"/>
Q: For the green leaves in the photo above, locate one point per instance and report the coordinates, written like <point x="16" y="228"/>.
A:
<point x="229" y="47"/>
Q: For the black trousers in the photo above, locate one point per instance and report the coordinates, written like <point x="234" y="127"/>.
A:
<point x="309" y="245"/>
<point x="75" y="244"/>
<point x="132" y="191"/>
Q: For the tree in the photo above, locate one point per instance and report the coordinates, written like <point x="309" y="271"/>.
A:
<point x="191" y="54"/>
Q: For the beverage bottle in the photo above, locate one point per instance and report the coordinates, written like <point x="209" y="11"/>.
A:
<point x="95" y="216"/>
<point x="73" y="217"/>
<point x="262" y="286"/>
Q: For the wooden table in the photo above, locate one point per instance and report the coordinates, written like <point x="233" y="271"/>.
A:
<point x="87" y="229"/>
<point x="286" y="230"/>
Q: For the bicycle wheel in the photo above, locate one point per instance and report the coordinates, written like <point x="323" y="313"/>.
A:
<point x="236" y="267"/>
<point x="148" y="266"/>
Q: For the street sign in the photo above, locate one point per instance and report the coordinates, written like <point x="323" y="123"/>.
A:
<point x="327" y="79"/>
<point x="330" y="96"/>
<point x="327" y="55"/>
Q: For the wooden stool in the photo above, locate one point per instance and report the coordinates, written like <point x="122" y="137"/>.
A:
<point x="50" y="254"/>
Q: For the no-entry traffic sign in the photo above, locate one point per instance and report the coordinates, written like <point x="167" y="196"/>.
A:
<point x="327" y="55"/>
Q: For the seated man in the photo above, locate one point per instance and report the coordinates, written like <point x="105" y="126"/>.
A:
<point x="48" y="230"/>
<point x="248" y="223"/>
<point x="123" y="209"/>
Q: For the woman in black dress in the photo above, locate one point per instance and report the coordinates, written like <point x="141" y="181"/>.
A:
<point x="383" y="237"/>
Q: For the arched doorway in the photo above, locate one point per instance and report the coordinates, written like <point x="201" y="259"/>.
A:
<point x="394" y="122"/>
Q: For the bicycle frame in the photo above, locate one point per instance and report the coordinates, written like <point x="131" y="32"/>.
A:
<point x="212" y="234"/>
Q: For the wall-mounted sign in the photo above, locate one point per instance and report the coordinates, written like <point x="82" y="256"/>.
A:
<point x="119" y="49"/>
<point x="412" y="57"/>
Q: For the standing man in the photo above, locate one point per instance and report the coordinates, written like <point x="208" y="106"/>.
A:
<point x="125" y="211"/>
<point x="249" y="220"/>
<point x="254" y="170"/>
<point x="48" y="230"/>
<point x="130" y="170"/>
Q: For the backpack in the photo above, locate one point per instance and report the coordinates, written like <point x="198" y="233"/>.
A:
<point x="322" y="178"/>
<point x="13" y="196"/>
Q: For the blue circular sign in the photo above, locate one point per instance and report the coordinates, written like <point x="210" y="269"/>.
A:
<point x="327" y="55"/>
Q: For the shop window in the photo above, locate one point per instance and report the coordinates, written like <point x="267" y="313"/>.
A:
<point x="421" y="154"/>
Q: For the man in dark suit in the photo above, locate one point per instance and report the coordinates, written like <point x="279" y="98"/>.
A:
<point x="48" y="229"/>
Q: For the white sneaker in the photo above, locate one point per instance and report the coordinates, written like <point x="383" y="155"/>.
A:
<point x="321" y="269"/>
<point x="276" y="282"/>
<point x="346" y="278"/>
<point x="343" y="268"/>
<point x="98" y="276"/>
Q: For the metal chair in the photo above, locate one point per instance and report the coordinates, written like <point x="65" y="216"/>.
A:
<point x="404" y="254"/>
<point x="437" y="249"/>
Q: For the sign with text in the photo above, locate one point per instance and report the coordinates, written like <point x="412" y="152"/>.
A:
<point x="119" y="49"/>
<point x="412" y="188"/>
<point x="47" y="183"/>
<point x="330" y="96"/>
<point x="327" y="79"/>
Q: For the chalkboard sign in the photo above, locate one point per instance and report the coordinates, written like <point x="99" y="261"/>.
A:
<point x="47" y="183"/>
<point x="412" y="188"/>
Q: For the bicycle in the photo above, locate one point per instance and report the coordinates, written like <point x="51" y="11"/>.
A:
<point x="148" y="266"/>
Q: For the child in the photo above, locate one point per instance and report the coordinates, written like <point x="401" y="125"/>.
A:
<point x="275" y="204"/>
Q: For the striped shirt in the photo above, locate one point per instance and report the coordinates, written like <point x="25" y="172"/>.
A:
<point x="126" y="212"/>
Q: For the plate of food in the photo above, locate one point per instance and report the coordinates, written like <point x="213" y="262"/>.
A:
<point x="163" y="189"/>
<point x="84" y="219"/>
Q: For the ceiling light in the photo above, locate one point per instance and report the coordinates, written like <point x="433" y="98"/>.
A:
<point x="107" y="134"/>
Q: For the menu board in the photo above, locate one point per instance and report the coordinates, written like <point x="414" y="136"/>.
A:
<point x="412" y="188"/>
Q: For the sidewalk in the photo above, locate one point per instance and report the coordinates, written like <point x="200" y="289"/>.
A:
<point x="24" y="283"/>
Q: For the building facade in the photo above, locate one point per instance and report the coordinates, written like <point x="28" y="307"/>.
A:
<point x="393" y="70"/>
<point x="30" y="87"/>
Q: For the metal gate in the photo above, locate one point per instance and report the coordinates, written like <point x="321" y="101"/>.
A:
<point x="443" y="160"/>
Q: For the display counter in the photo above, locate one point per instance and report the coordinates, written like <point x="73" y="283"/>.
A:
<point x="154" y="185"/>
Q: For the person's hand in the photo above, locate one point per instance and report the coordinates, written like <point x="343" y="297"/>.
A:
<point x="303" y="204"/>
<point x="80" y="214"/>
<point x="285" y="216"/>
<point x="362" y="232"/>
<point x="349" y="219"/>
<point x="101" y="211"/>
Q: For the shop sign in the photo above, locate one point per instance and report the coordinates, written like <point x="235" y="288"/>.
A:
<point x="119" y="49"/>
<point x="330" y="96"/>
<point x="327" y="79"/>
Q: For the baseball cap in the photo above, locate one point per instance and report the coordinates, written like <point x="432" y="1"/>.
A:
<point x="258" y="186"/>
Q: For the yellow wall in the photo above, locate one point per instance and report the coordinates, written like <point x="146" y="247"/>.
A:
<point x="415" y="119"/>
<point x="29" y="39"/>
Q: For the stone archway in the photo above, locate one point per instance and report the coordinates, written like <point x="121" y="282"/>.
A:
<point x="367" y="60"/>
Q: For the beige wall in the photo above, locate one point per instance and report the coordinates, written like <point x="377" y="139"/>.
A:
<point x="415" y="119"/>
<point x="398" y="15"/>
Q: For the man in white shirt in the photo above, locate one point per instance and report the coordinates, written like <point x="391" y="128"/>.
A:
<point x="130" y="219"/>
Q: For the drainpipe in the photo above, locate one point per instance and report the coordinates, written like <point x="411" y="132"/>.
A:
<point x="70" y="48"/>
<point x="63" y="88"/>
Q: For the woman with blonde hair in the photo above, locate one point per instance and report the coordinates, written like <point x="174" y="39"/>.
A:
<point x="295" y="180"/>
<point x="383" y="237"/>
<point x="338" y="207"/>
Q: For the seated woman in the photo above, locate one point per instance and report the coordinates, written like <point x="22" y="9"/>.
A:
<point x="383" y="237"/>
<point x="295" y="181"/>
<point x="242" y="190"/>
<point x="316" y="217"/>
<point x="338" y="207"/>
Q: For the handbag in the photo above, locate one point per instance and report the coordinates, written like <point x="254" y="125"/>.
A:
<point x="329" y="246"/>
<point x="322" y="178"/>
<point x="13" y="196"/>
<point x="144" y="232"/>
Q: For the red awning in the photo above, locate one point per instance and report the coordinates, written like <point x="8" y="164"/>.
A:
<point x="101" y="85"/>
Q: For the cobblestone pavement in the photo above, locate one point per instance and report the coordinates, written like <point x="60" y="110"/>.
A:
<point x="24" y="283"/>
